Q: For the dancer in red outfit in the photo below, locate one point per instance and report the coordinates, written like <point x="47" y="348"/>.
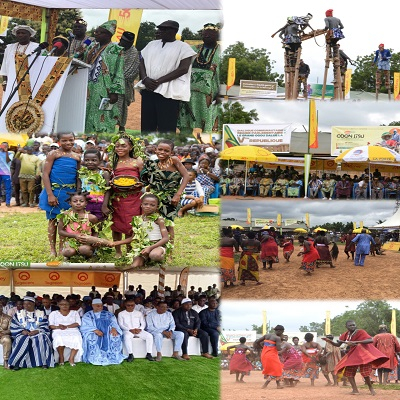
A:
<point x="239" y="364"/>
<point x="361" y="353"/>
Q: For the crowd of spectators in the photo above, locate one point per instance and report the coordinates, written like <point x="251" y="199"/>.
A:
<point x="52" y="323"/>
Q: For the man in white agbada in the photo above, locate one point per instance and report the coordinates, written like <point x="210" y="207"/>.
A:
<point x="132" y="323"/>
<point x="165" y="70"/>
<point x="23" y="33"/>
<point x="161" y="324"/>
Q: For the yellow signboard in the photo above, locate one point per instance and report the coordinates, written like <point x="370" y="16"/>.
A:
<point x="347" y="137"/>
<point x="395" y="246"/>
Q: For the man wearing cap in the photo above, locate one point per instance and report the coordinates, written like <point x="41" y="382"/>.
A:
<point x="31" y="338"/>
<point x="106" y="79"/>
<point x="202" y="109"/>
<point x="382" y="61"/>
<point x="390" y="346"/>
<point x="21" y="48"/>
<point x="272" y="366"/>
<point x="161" y="324"/>
<point x="5" y="338"/>
<point x="102" y="336"/>
<point x="131" y="72"/>
<point x="78" y="37"/>
<point x="188" y="322"/>
<point x="164" y="70"/>
<point x="133" y="325"/>
<point x="334" y="27"/>
<point x="377" y="189"/>
<point x="110" y="305"/>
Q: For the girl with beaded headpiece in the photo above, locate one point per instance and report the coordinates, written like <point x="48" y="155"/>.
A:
<point x="126" y="160"/>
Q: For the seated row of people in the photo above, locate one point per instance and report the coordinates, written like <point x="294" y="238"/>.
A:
<point x="29" y="336"/>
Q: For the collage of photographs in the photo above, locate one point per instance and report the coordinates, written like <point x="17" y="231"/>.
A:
<point x="203" y="201"/>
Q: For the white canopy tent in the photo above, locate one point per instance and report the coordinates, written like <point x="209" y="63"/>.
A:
<point x="145" y="4"/>
<point x="392" y="222"/>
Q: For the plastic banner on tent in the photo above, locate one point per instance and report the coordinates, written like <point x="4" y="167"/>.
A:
<point x="4" y="278"/>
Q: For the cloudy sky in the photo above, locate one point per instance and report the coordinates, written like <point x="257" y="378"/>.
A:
<point x="263" y="19"/>
<point x="241" y="315"/>
<point x="329" y="113"/>
<point x="320" y="211"/>
<point x="187" y="19"/>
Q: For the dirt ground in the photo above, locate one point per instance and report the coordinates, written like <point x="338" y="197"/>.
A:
<point x="378" y="279"/>
<point x="230" y="390"/>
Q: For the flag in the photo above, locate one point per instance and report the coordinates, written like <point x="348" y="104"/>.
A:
<point x="347" y="84"/>
<point x="279" y="220"/>
<point x="361" y="224"/>
<point x="328" y="323"/>
<point x="249" y="216"/>
<point x="396" y="85"/>
<point x="354" y="226"/>
<point x="264" y="324"/>
<point x="307" y="167"/>
<point x="231" y="73"/>
<point x="128" y="19"/>
<point x="313" y="126"/>
<point x="308" y="220"/>
<point x="3" y="25"/>
<point x="393" y="323"/>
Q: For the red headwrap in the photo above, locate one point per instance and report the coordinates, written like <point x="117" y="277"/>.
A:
<point x="328" y="13"/>
<point x="381" y="45"/>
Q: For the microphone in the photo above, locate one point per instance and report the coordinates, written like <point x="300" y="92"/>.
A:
<point x="82" y="47"/>
<point x="38" y="49"/>
<point x="56" y="46"/>
<point x="70" y="34"/>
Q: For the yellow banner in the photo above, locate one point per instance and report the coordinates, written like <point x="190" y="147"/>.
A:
<point x="128" y="19"/>
<point x="347" y="83"/>
<point x="361" y="224"/>
<point x="396" y="85"/>
<point x="65" y="278"/>
<point x="3" y="25"/>
<point x="279" y="220"/>
<point x="393" y="323"/>
<point x="354" y="225"/>
<point x="313" y="126"/>
<point x="308" y="220"/>
<point x="328" y="323"/>
<point x="248" y="216"/>
<point x="395" y="246"/>
<point x="264" y="324"/>
<point x="347" y="137"/>
<point x="231" y="73"/>
<point x="4" y="278"/>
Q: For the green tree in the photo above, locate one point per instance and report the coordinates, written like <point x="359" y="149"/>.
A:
<point x="364" y="75"/>
<point x="147" y="33"/>
<point x="368" y="316"/>
<point x="314" y="327"/>
<point x="187" y="34"/>
<point x="234" y="113"/>
<point x="257" y="328"/>
<point x="251" y="64"/>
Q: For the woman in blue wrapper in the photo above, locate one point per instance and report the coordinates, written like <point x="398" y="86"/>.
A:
<point x="59" y="177"/>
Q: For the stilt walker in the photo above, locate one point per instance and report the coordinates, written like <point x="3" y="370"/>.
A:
<point x="382" y="60"/>
<point x="334" y="33"/>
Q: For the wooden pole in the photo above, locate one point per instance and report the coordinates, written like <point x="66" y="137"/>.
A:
<point x="295" y="92"/>
<point x="337" y="76"/>
<point x="327" y="58"/>
<point x="161" y="281"/>
<point x="287" y="76"/>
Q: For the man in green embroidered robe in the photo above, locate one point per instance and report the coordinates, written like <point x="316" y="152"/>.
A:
<point x="202" y="110"/>
<point x="106" y="79"/>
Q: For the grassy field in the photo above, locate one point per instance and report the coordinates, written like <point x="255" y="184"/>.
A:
<point x="24" y="237"/>
<point x="167" y="380"/>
